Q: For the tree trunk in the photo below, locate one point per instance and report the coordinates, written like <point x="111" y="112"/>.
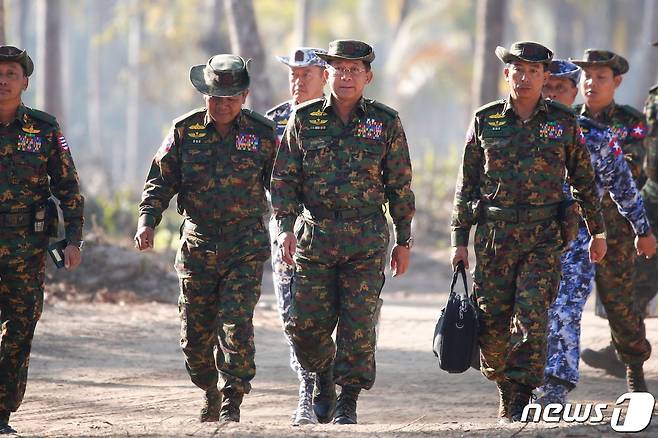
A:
<point x="24" y="14"/>
<point x="645" y="57"/>
<point x="489" y="33"/>
<point x="94" y="107"/>
<point x="215" y="39"/>
<point x="246" y="42"/>
<point x="49" y="58"/>
<point x="3" y="34"/>
<point x="133" y="104"/>
<point x="564" y="19"/>
<point x="301" y="23"/>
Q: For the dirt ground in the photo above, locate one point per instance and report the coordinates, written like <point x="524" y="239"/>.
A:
<point x="104" y="369"/>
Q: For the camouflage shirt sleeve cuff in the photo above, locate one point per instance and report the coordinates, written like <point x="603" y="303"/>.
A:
<point x="403" y="233"/>
<point x="595" y="225"/>
<point x="73" y="230"/>
<point x="286" y="224"/>
<point x="459" y="237"/>
<point x="147" y="220"/>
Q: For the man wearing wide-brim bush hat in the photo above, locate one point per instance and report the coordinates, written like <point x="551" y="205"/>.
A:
<point x="603" y="58"/>
<point x="526" y="51"/>
<point x="349" y="50"/>
<point x="615" y="276"/>
<point x="14" y="54"/>
<point x="218" y="160"/>
<point x="221" y="76"/>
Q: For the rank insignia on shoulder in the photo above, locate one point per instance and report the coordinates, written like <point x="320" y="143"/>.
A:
<point x="551" y="130"/>
<point x="371" y="129"/>
<point x="30" y="129"/>
<point x="318" y="113"/>
<point x="247" y="142"/>
<point x="196" y="134"/>
<point x="615" y="146"/>
<point x="318" y="121"/>
<point x="197" y="127"/>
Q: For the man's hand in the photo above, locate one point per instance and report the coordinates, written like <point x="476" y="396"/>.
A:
<point x="400" y="260"/>
<point x="72" y="257"/>
<point x="144" y="238"/>
<point x="597" y="249"/>
<point x="287" y="246"/>
<point x="646" y="245"/>
<point x="459" y="254"/>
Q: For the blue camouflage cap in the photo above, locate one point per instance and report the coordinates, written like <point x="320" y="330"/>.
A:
<point x="561" y="68"/>
<point x="303" y="57"/>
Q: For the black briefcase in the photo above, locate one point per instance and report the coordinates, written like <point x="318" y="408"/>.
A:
<point x="456" y="332"/>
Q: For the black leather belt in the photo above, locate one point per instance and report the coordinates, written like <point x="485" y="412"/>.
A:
<point x="221" y="230"/>
<point x="521" y="215"/>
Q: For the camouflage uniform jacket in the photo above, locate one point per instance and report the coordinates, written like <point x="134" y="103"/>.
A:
<point x="218" y="180"/>
<point x="35" y="162"/>
<point x="280" y="114"/>
<point x="630" y="128"/>
<point x="323" y="163"/>
<point x="613" y="174"/>
<point x="650" y="190"/>
<point x="514" y="164"/>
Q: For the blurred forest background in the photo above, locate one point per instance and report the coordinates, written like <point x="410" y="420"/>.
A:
<point x="115" y="73"/>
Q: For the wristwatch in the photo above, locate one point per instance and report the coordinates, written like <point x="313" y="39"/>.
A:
<point x="600" y="236"/>
<point x="408" y="244"/>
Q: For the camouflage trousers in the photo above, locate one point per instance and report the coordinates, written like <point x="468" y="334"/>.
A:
<point x="22" y="275"/>
<point x="615" y="287"/>
<point x="516" y="278"/>
<point x="281" y="276"/>
<point x="646" y="270"/>
<point x="220" y="283"/>
<point x="338" y="277"/>
<point x="565" y="314"/>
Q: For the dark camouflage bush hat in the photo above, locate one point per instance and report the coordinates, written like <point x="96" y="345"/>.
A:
<point x="561" y="68"/>
<point x="14" y="54"/>
<point x="349" y="50"/>
<point x="528" y="51"/>
<point x="304" y="57"/>
<point x="655" y="44"/>
<point x="223" y="75"/>
<point x="604" y="58"/>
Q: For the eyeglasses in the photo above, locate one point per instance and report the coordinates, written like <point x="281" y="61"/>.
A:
<point x="345" y="72"/>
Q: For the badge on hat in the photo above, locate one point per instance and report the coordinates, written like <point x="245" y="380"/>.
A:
<point x="303" y="57"/>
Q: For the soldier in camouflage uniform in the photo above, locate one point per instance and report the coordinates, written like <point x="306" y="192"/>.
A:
<point x="35" y="163"/>
<point x="218" y="159"/>
<point x="341" y="159"/>
<point x="603" y="72"/>
<point x="646" y="270"/>
<point x="612" y="175"/>
<point x="306" y="80"/>
<point x="518" y="152"/>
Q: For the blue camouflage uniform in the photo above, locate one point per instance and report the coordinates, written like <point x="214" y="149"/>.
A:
<point x="614" y="175"/>
<point x="282" y="272"/>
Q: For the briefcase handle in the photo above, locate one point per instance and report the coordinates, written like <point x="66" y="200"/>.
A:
<point x="460" y="269"/>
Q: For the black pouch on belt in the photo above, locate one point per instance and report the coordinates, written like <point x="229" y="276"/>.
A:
<point x="569" y="217"/>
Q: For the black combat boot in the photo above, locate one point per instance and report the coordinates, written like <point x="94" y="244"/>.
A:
<point x="635" y="378"/>
<point x="604" y="359"/>
<point x="210" y="410"/>
<point x="5" y="428"/>
<point x="505" y="398"/>
<point x="231" y="401"/>
<point x="521" y="395"/>
<point x="346" y="405"/>
<point x="324" y="396"/>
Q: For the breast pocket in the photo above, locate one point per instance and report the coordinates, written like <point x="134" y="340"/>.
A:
<point x="316" y="155"/>
<point x="498" y="156"/>
<point x="29" y="168"/>
<point x="550" y="158"/>
<point x="197" y="166"/>
<point x="368" y="157"/>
